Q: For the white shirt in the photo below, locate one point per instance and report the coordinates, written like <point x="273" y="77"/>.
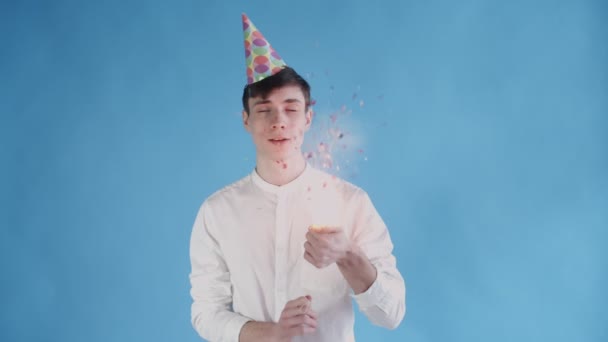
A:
<point x="247" y="250"/>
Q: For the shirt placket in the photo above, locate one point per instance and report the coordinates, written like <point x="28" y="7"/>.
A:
<point x="280" y="254"/>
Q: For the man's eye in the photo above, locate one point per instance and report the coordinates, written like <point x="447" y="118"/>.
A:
<point x="291" y="110"/>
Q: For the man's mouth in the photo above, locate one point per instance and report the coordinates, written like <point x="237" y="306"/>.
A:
<point x="278" y="141"/>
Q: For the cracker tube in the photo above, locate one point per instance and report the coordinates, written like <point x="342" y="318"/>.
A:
<point x="316" y="228"/>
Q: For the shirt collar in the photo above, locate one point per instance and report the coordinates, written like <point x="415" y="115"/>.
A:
<point x="286" y="188"/>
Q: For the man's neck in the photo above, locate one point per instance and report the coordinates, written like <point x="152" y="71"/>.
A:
<point x="280" y="172"/>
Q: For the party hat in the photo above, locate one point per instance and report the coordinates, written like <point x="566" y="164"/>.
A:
<point x="261" y="59"/>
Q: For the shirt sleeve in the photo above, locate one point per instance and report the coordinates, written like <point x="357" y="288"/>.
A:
<point x="211" y="290"/>
<point x="384" y="302"/>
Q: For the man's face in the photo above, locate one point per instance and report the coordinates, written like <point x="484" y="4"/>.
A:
<point x="277" y="124"/>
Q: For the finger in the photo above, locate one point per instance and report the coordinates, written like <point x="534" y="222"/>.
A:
<point x="311" y="249"/>
<point x="316" y="239"/>
<point x="318" y="262"/>
<point x="307" y="246"/>
<point x="293" y="311"/>
<point x="301" y="330"/>
<point x="310" y="236"/>
<point x="294" y="303"/>
<point x="312" y="314"/>
<point x="300" y="320"/>
<point x="310" y="321"/>
<point x="304" y="308"/>
<point x="308" y="257"/>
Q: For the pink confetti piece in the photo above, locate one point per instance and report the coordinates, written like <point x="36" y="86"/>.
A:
<point x="330" y="145"/>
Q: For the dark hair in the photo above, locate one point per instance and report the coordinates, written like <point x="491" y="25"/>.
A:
<point x="285" y="77"/>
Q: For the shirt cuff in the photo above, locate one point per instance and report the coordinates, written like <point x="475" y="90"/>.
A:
<point x="233" y="328"/>
<point x="374" y="296"/>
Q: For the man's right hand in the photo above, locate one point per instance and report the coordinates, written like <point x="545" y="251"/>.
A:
<point x="296" y="319"/>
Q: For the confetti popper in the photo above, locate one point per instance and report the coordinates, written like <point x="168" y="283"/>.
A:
<point x="316" y="228"/>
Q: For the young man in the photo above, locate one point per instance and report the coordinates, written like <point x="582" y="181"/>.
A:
<point x="278" y="255"/>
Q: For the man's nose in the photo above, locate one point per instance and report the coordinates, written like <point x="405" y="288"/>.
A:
<point x="278" y="120"/>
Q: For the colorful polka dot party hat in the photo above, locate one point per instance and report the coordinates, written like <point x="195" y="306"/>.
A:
<point x="261" y="59"/>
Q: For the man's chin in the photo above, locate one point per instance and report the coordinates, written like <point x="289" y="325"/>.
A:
<point x="281" y="157"/>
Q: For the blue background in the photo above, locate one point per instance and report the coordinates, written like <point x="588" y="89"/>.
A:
<point x="485" y="138"/>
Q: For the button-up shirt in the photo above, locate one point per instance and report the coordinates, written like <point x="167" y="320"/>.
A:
<point x="247" y="255"/>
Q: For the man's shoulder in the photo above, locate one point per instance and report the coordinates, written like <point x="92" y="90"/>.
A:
<point x="231" y="191"/>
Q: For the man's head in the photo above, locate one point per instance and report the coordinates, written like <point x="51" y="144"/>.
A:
<point x="286" y="77"/>
<point x="276" y="111"/>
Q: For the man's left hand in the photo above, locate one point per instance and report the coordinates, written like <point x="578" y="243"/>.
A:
<point x="325" y="245"/>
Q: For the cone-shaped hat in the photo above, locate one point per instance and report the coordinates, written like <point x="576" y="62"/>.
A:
<point x="261" y="59"/>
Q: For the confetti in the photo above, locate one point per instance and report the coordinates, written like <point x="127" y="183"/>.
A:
<point x="328" y="145"/>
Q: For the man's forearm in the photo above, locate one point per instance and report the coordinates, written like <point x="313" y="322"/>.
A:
<point x="258" y="331"/>
<point x="358" y="271"/>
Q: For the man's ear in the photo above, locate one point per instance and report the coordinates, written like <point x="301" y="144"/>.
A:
<point x="246" y="120"/>
<point x="309" y="115"/>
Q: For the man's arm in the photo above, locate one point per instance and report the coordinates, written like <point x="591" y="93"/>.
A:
<point x="365" y="260"/>
<point x="326" y="245"/>
<point x="211" y="290"/>
<point x="384" y="301"/>
<point x="358" y="271"/>
<point x="258" y="331"/>
<point x="212" y="315"/>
